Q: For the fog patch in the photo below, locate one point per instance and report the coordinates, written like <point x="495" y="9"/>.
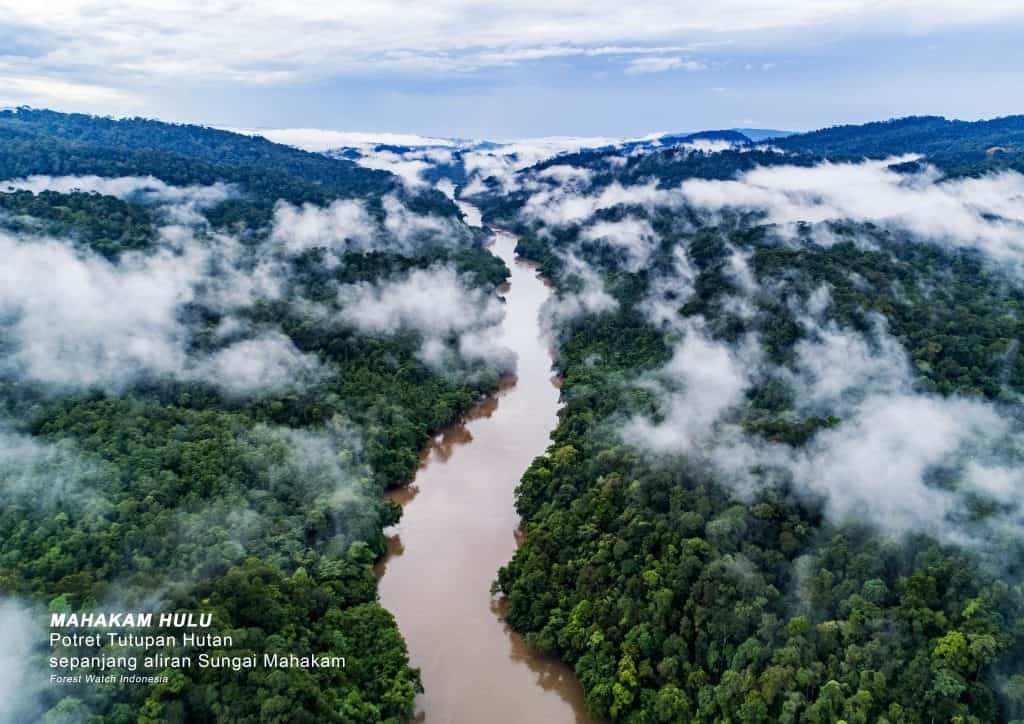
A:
<point x="294" y="475"/>
<point x="410" y="228"/>
<point x="502" y="163"/>
<point x="182" y="205"/>
<point x="584" y="295"/>
<point x="704" y="379"/>
<point x="986" y="212"/>
<point x="36" y="472"/>
<point x="347" y="225"/>
<point x="633" y="236"/>
<point x="875" y="465"/>
<point x="669" y="291"/>
<point x="711" y="145"/>
<point x="409" y="169"/>
<point x="902" y="460"/>
<point x="267" y="363"/>
<point x="80" y="320"/>
<point x="563" y="206"/>
<point x="21" y="662"/>
<point x="343" y="224"/>
<point x="435" y="302"/>
<point x="144" y="189"/>
<point x="565" y="175"/>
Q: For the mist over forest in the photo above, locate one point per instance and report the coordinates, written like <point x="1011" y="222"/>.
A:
<point x="214" y="365"/>
<point x="786" y="482"/>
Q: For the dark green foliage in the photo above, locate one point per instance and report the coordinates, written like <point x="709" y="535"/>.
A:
<point x="266" y="510"/>
<point x="955" y="146"/>
<point x="334" y="613"/>
<point x="957" y="315"/>
<point x="104" y="224"/>
<point x="674" y="599"/>
<point x="46" y="142"/>
<point x="677" y="599"/>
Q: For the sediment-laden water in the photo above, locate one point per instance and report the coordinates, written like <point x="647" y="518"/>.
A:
<point x="460" y="526"/>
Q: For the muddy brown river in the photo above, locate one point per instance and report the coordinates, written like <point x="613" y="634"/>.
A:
<point x="459" y="526"/>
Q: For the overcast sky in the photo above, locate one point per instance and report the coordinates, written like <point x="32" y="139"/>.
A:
<point x="500" y="69"/>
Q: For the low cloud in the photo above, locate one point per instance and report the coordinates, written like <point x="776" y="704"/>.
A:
<point x="319" y="139"/>
<point x="709" y="145"/>
<point x="408" y="165"/>
<point x="587" y="296"/>
<point x="879" y="464"/>
<point x="346" y="225"/>
<point x="42" y="473"/>
<point x="985" y="212"/>
<point x="409" y="228"/>
<point x="632" y="236"/>
<point x="146" y="189"/>
<point x="23" y="672"/>
<point x="668" y="291"/>
<point x="181" y="204"/>
<point x="341" y="225"/>
<point x="561" y="206"/>
<point x="704" y="379"/>
<point x="438" y="304"/>
<point x="504" y="162"/>
<point x="656" y="64"/>
<point x="267" y="363"/>
<point x="410" y="170"/>
<point x="80" y="320"/>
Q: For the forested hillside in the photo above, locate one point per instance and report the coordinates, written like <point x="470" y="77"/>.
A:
<point x="955" y="146"/>
<point x="787" y="477"/>
<point x="217" y="355"/>
<point x="46" y="142"/>
<point x="785" y="486"/>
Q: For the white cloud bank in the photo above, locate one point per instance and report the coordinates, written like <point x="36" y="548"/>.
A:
<point x="78" y="320"/>
<point x="876" y="466"/>
<point x="181" y="205"/>
<point x="20" y="685"/>
<point x="190" y="41"/>
<point x="346" y="225"/>
<point x="82" y="320"/>
<point x="437" y="303"/>
<point x="320" y="139"/>
<point x="985" y="212"/>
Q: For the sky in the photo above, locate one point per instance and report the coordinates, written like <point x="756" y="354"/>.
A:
<point x="500" y="70"/>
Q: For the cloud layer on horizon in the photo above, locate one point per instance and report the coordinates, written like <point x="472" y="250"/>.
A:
<point x="120" y="58"/>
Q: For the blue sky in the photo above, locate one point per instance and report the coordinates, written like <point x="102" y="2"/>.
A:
<point x="484" y="69"/>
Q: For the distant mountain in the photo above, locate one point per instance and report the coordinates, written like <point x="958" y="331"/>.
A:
<point x="558" y="147"/>
<point x="732" y="136"/>
<point x="954" y="146"/>
<point x="763" y="134"/>
<point x="47" y="142"/>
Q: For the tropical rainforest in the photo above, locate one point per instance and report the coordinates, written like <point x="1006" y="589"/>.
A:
<point x="193" y="420"/>
<point x="741" y="517"/>
<point x="785" y="485"/>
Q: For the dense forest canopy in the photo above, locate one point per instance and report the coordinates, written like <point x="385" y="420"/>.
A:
<point x="217" y="356"/>
<point x="786" y="481"/>
<point x="46" y="142"/>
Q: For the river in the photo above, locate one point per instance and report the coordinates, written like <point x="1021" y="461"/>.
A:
<point x="459" y="526"/>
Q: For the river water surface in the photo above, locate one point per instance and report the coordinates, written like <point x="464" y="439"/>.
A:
<point x="459" y="526"/>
